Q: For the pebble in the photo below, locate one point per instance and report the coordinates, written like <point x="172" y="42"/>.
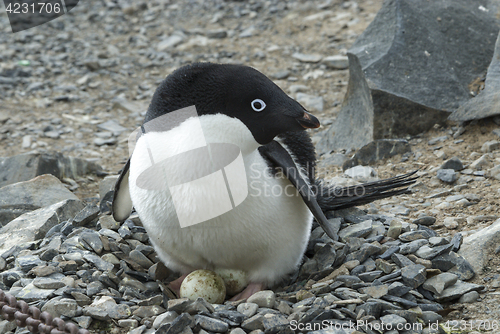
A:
<point x="447" y="175"/>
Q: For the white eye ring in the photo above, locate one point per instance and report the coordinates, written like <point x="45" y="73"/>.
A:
<point x="255" y="105"/>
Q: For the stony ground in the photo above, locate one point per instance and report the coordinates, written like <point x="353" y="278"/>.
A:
<point x="61" y="81"/>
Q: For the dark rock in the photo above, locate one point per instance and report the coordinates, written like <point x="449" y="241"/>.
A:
<point x="428" y="253"/>
<point x="92" y="240"/>
<point x="28" y="262"/>
<point x="438" y="283"/>
<point x="402" y="301"/>
<point x="211" y="324"/>
<point x="366" y="251"/>
<point x="453" y="163"/>
<point x="389" y="253"/>
<point x="414" y="235"/>
<point x="25" y="167"/>
<point x="426" y="221"/>
<point x="378" y="150"/>
<point x="401" y="261"/>
<point x="390" y="64"/>
<point x="457" y="290"/>
<point x="19" y="198"/>
<point x="455" y="264"/>
<point x="485" y="103"/>
<point x="456" y="241"/>
<point x="35" y="224"/>
<point x="86" y="215"/>
<point x="370" y="276"/>
<point x="413" y="275"/>
<point x="398" y="289"/>
<point x="356" y="230"/>
<point x="98" y="262"/>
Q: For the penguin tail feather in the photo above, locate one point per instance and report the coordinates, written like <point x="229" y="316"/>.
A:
<point x="335" y="198"/>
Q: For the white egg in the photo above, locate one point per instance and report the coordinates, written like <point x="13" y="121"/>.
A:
<point x="206" y="284"/>
<point x="235" y="280"/>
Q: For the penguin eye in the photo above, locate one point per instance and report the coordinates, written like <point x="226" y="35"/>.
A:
<point x="258" y="105"/>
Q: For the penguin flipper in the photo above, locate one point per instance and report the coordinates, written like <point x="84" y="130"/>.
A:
<point x="280" y="157"/>
<point x="122" y="203"/>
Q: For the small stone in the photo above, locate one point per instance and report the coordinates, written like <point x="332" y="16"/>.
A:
<point x="58" y="307"/>
<point x="469" y="297"/>
<point x="428" y="253"/>
<point x="377" y="291"/>
<point x="128" y="323"/>
<point x="210" y="324"/>
<point x="48" y="283"/>
<point x="490" y="146"/>
<point x="414" y="235"/>
<point x="248" y="309"/>
<point x="393" y="321"/>
<point x="359" y="230"/>
<point x="253" y="323"/>
<point x="426" y="221"/>
<point x="413" y="275"/>
<point x="394" y="229"/>
<point x="169" y="42"/>
<point x="307" y="58"/>
<point x="440" y="282"/>
<point x="148" y="311"/>
<point x="165" y="318"/>
<point x="453" y="163"/>
<point x="337" y="62"/>
<point x="457" y="290"/>
<point x="141" y="259"/>
<point x="447" y="175"/>
<point x="266" y="298"/>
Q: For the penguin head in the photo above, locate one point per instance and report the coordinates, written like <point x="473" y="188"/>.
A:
<point x="236" y="91"/>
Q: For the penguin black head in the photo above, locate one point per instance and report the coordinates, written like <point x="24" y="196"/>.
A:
<point x="236" y="91"/>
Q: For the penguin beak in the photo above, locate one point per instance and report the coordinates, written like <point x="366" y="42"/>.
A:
<point x="308" y="121"/>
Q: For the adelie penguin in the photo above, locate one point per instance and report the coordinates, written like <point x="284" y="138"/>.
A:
<point x="267" y="233"/>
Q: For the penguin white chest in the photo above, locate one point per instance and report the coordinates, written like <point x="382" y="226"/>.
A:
<point x="265" y="234"/>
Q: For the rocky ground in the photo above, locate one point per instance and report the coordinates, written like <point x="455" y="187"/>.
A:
<point x="81" y="84"/>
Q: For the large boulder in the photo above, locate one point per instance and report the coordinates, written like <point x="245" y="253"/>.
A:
<point x="487" y="102"/>
<point x="34" y="225"/>
<point x="479" y="248"/>
<point x="24" y="167"/>
<point x="412" y="67"/>
<point x="19" y="198"/>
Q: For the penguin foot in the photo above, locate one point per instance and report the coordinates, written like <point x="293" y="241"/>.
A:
<point x="175" y="285"/>
<point x="249" y="290"/>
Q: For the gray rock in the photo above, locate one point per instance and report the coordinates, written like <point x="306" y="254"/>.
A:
<point x="398" y="289"/>
<point x="377" y="291"/>
<point x="92" y="240"/>
<point x="379" y="71"/>
<point x="164" y="318"/>
<point x="414" y="235"/>
<point x="377" y="150"/>
<point x="98" y="262"/>
<point x="210" y="324"/>
<point x="48" y="282"/>
<point x="112" y="126"/>
<point x="356" y="230"/>
<point x="86" y="215"/>
<point x="457" y="241"/>
<point x="447" y="175"/>
<point x="413" y="275"/>
<point x="25" y="167"/>
<point x="307" y="58"/>
<point x="28" y="262"/>
<point x="437" y="241"/>
<point x="412" y="247"/>
<point x="476" y="247"/>
<point x="253" y="323"/>
<point x="484" y="104"/>
<point x="438" y="283"/>
<point x="248" y="32"/>
<point x="325" y="256"/>
<point x="455" y="264"/>
<point x="35" y="224"/>
<point x="401" y="261"/>
<point x="58" y="307"/>
<point x="140" y="258"/>
<point x="453" y="163"/>
<point x="428" y="253"/>
<point x="248" y="309"/>
<point x="469" y="297"/>
<point x="31" y="293"/>
<point x="7" y="326"/>
<point x="266" y="298"/>
<point x="178" y="305"/>
<point x="337" y="62"/>
<point x="19" y="198"/>
<point x="148" y="311"/>
<point x="426" y="221"/>
<point x="83" y="321"/>
<point x="457" y="290"/>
